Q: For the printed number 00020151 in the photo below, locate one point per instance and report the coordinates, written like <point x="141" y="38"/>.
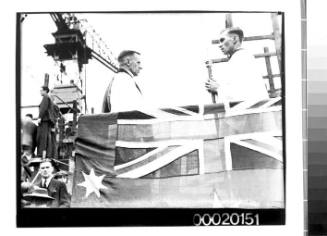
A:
<point x="226" y="219"/>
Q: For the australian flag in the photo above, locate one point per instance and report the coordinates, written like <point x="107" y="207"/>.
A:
<point x="193" y="156"/>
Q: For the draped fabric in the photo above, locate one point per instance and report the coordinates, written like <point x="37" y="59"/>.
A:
<point x="194" y="156"/>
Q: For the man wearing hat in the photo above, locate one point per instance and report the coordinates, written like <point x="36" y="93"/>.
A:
<point x="123" y="92"/>
<point x="46" y="123"/>
<point x="56" y="188"/>
<point x="63" y="177"/>
<point x="240" y="78"/>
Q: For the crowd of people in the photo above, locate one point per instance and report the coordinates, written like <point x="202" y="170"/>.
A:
<point x="49" y="191"/>
<point x="42" y="183"/>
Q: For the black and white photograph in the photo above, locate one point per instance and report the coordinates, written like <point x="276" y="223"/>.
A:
<point x="152" y="110"/>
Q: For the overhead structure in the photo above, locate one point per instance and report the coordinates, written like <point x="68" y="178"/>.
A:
<point x="70" y="43"/>
<point x="76" y="42"/>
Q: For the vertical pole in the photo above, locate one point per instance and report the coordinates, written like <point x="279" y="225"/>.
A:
<point x="269" y="73"/>
<point x="61" y="127"/>
<point x="228" y="20"/>
<point x="209" y="67"/>
<point x="228" y="24"/>
<point x="74" y="115"/>
<point x="46" y="79"/>
<point x="278" y="39"/>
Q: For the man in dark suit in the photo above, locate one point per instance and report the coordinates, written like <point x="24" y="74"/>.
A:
<point x="28" y="135"/>
<point x="46" y="123"/>
<point x="56" y="188"/>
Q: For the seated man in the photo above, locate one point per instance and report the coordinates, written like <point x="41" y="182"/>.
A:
<point x="242" y="79"/>
<point x="56" y="188"/>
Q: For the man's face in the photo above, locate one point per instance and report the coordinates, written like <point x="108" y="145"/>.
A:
<point x="226" y="43"/>
<point x="134" y="64"/>
<point x="46" y="169"/>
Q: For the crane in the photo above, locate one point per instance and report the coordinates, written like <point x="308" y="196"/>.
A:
<point x="75" y="40"/>
<point x="70" y="42"/>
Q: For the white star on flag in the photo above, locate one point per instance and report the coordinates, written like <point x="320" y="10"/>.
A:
<point x="92" y="183"/>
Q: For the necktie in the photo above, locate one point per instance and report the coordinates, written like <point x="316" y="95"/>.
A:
<point x="44" y="185"/>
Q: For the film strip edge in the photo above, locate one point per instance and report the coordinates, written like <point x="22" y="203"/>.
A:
<point x="304" y="112"/>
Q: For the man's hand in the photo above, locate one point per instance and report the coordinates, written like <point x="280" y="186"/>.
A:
<point x="212" y="86"/>
<point x="39" y="120"/>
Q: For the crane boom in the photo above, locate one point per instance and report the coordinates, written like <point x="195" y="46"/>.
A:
<point x="59" y="21"/>
<point x="71" y="43"/>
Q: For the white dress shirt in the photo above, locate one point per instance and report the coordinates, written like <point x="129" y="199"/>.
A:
<point x="125" y="93"/>
<point x="240" y="79"/>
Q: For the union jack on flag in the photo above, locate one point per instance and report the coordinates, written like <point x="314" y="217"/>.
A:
<point x="182" y="157"/>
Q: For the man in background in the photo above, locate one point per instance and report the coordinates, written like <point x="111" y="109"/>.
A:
<point x="123" y="92"/>
<point x="28" y="140"/>
<point x="56" y="189"/>
<point x="63" y="177"/>
<point x="46" y="124"/>
<point x="242" y="80"/>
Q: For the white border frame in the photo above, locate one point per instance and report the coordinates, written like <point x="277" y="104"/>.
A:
<point x="294" y="173"/>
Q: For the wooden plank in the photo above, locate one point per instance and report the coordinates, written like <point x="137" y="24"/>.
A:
<point x="278" y="38"/>
<point x="269" y="54"/>
<point x="269" y="70"/>
<point x="273" y="76"/>
<point x="30" y="106"/>
<point x="259" y="37"/>
<point x="251" y="38"/>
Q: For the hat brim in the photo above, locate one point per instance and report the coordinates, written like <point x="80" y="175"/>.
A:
<point x="34" y="161"/>
<point x="60" y="175"/>
<point x="31" y="196"/>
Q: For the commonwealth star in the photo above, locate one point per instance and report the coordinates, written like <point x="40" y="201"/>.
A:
<point x="92" y="183"/>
